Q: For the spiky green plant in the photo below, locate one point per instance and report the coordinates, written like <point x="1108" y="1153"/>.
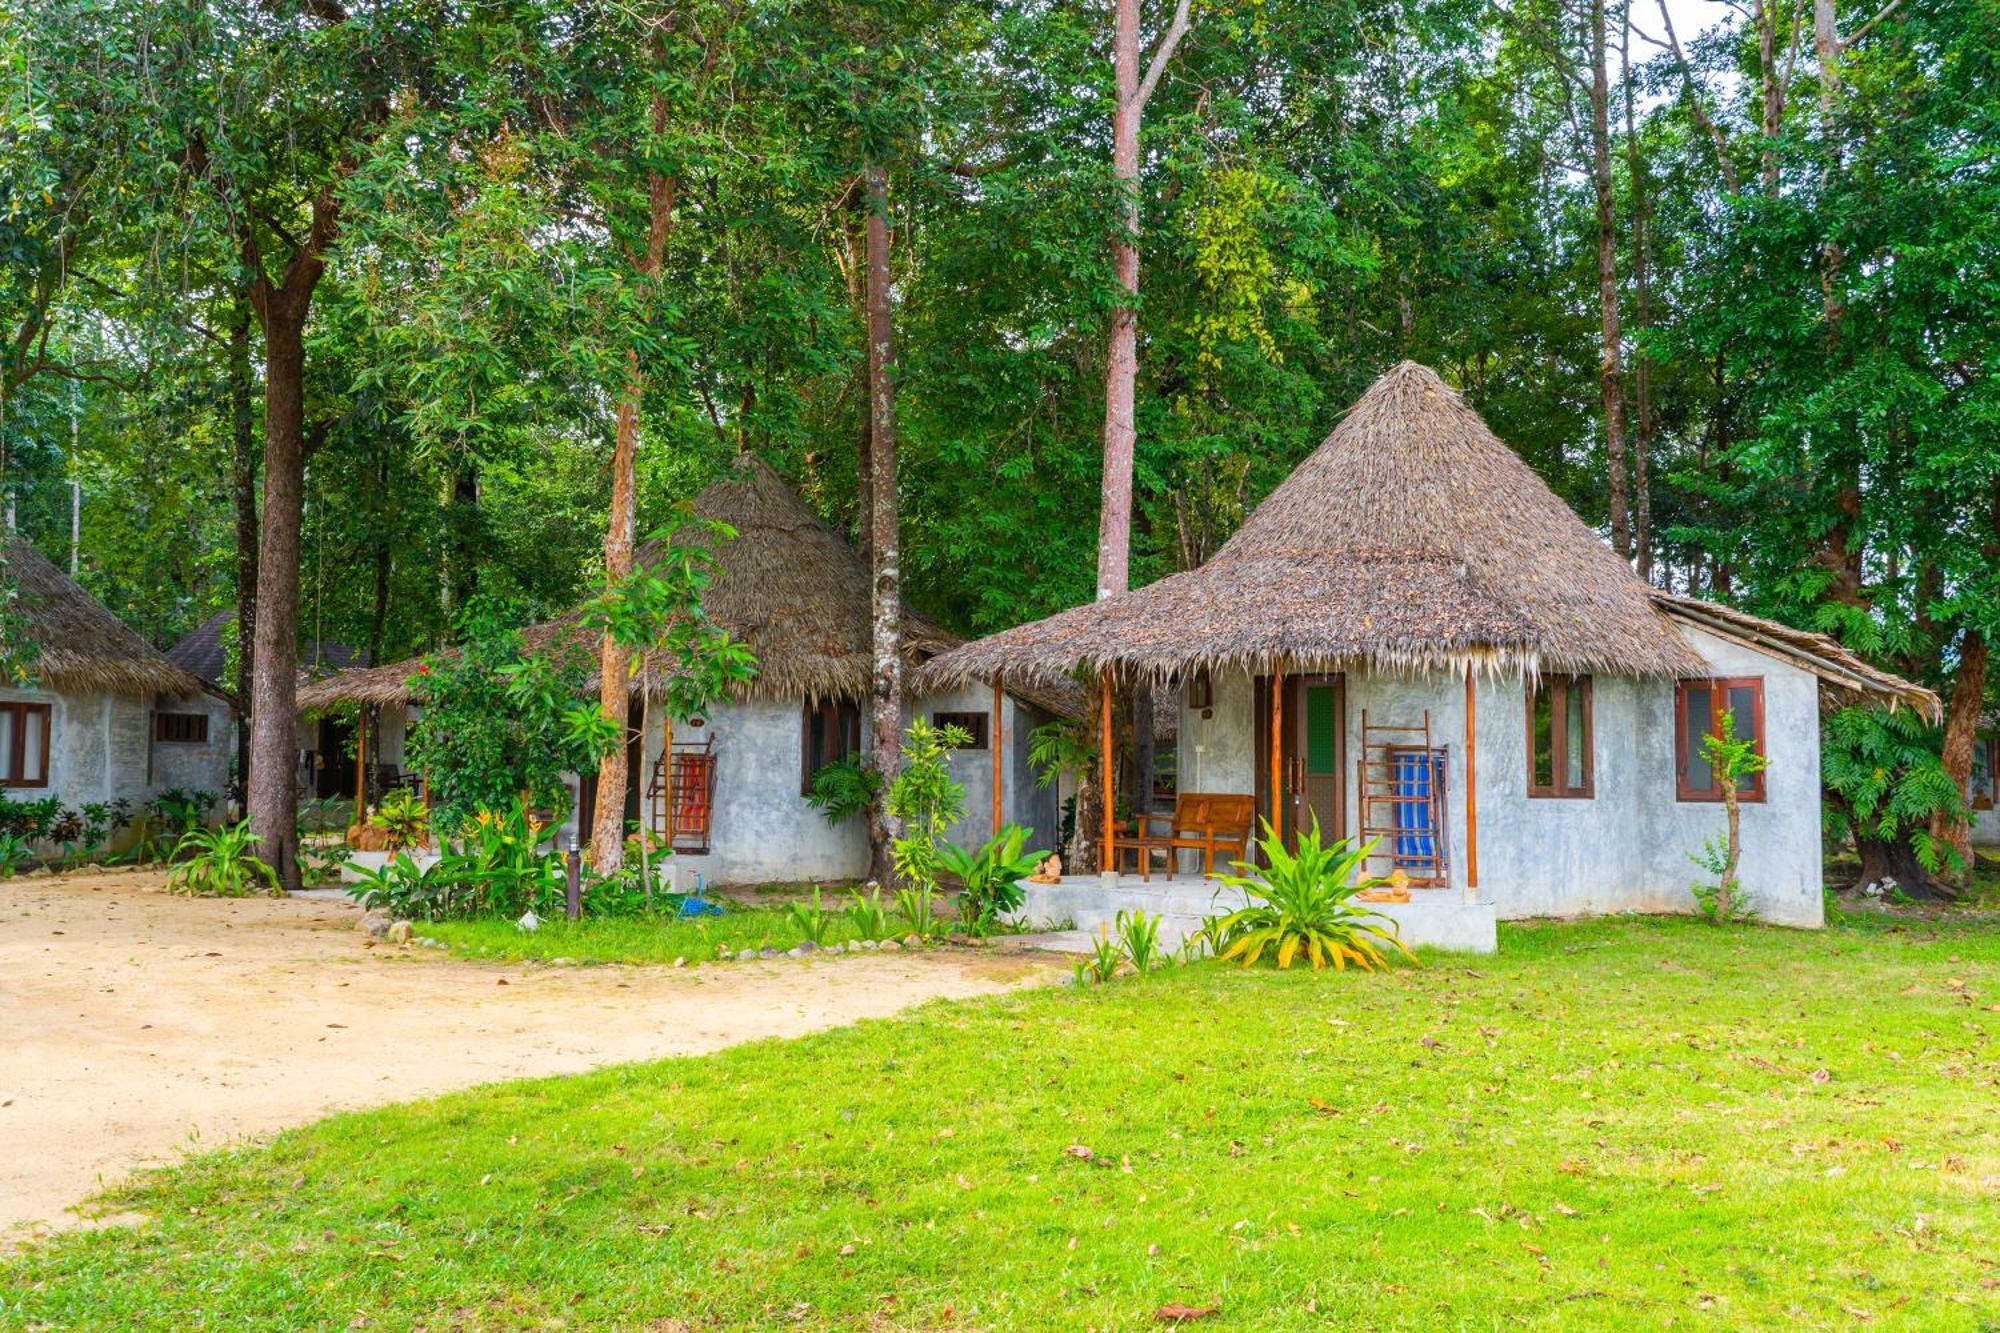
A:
<point x="220" y="863"/>
<point x="1139" y="939"/>
<point x="1301" y="906"/>
<point x="814" y="921"/>
<point x="867" y="915"/>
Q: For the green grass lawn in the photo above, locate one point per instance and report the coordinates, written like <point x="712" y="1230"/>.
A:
<point x="1610" y="1125"/>
<point x="631" y="939"/>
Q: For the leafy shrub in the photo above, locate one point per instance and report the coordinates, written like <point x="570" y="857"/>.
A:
<point x="814" y="922"/>
<point x="1730" y="759"/>
<point x="1106" y="956"/>
<point x="867" y="916"/>
<point x="168" y="818"/>
<point x="1301" y="906"/>
<point x="31" y="821"/>
<point x="926" y="799"/>
<point x="1139" y="940"/>
<point x="844" y="788"/>
<point x="220" y="863"/>
<point x="404" y="819"/>
<point x="915" y="904"/>
<point x="990" y="879"/>
<point x="497" y="719"/>
<point x="412" y="893"/>
<point x="1885" y="774"/>
<point x="15" y="854"/>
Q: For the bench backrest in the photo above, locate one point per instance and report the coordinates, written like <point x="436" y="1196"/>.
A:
<point x="1212" y="812"/>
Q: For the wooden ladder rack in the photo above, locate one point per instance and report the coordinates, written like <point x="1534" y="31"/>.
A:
<point x="1400" y="781"/>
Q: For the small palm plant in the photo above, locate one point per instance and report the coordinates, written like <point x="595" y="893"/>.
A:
<point x="814" y="922"/>
<point x="867" y="915"/>
<point x="219" y="863"/>
<point x="1301" y="907"/>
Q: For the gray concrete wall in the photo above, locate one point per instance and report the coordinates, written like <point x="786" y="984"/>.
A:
<point x="764" y="832"/>
<point x="1623" y="850"/>
<point x="101" y="747"/>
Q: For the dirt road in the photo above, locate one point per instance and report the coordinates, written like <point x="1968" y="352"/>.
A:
<point x="138" y="1025"/>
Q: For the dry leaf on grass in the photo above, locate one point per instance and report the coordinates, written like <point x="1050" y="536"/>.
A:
<point x="1173" y="1312"/>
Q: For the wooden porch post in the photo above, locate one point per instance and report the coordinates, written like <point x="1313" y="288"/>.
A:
<point x="996" y="744"/>
<point x="667" y="777"/>
<point x="361" y="764"/>
<point x="1471" y="790"/>
<point x="1105" y="860"/>
<point x="1277" y="749"/>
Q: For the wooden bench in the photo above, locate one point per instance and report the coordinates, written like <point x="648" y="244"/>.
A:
<point x="1205" y="822"/>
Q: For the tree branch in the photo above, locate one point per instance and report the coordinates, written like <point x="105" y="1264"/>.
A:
<point x="1868" y="27"/>
<point x="1163" y="53"/>
<point x="1695" y="108"/>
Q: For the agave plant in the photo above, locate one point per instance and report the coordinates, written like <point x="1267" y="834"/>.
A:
<point x="1302" y="907"/>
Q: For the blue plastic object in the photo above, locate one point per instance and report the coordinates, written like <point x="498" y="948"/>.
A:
<point x="696" y="905"/>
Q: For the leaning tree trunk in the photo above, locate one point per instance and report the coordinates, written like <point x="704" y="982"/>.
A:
<point x="1610" y="371"/>
<point x="884" y="535"/>
<point x="1642" y="312"/>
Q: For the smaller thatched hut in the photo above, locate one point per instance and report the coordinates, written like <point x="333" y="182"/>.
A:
<point x="105" y="716"/>
<point x="1414" y="642"/>
<point x="798" y="594"/>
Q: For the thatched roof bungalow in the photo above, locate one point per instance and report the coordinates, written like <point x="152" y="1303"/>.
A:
<point x="1412" y="639"/>
<point x="798" y="594"/>
<point x="104" y="716"/>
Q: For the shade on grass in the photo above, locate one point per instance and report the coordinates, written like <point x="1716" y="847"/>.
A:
<point x="1609" y="1125"/>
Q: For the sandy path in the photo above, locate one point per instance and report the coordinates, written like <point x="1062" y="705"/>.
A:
<point x="138" y="1025"/>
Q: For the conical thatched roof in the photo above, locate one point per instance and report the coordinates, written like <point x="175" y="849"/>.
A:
<point x="79" y="644"/>
<point x="1412" y="538"/>
<point x="788" y="585"/>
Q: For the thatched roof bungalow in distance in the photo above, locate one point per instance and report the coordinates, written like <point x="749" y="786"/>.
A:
<point x="798" y="594"/>
<point x="1413" y="639"/>
<point x="106" y="717"/>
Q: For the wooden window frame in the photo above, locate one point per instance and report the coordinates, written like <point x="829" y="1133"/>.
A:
<point x="974" y="724"/>
<point x="21" y="712"/>
<point x="842" y="718"/>
<point x="195" y="724"/>
<point x="1717" y="686"/>
<point x="1560" y="788"/>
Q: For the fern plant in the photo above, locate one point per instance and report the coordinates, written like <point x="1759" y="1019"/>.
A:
<point x="1886" y="773"/>
<point x="1301" y="907"/>
<point x="220" y="863"/>
<point x="844" y="788"/>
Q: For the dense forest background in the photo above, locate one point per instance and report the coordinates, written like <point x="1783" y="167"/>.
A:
<point x="1726" y="274"/>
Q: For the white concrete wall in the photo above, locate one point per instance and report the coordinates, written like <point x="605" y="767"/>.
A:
<point x="101" y="747"/>
<point x="1624" y="849"/>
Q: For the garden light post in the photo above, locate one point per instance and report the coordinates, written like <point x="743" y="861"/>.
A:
<point x="573" y="894"/>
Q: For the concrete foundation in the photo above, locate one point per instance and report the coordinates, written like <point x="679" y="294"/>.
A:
<point x="1432" y="919"/>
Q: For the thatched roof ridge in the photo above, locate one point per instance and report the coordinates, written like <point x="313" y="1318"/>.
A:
<point x="1844" y="671"/>
<point x="79" y="643"/>
<point x="1411" y="539"/>
<point x="788" y="585"/>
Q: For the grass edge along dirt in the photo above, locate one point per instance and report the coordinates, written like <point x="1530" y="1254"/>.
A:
<point x="1613" y="1123"/>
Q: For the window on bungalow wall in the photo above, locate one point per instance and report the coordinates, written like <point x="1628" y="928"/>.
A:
<point x="1559" y="737"/>
<point x="24" y="745"/>
<point x="1698" y="709"/>
<point x="831" y="733"/>
<point x="1985" y="765"/>
<point x="972" y="724"/>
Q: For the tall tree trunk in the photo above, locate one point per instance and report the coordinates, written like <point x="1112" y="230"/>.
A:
<point x="1961" y="731"/>
<point x="884" y="537"/>
<point x="1121" y="362"/>
<point x="378" y="629"/>
<point x="864" y="457"/>
<point x="1611" y="372"/>
<point x="282" y="308"/>
<point x="614" y="663"/>
<point x="1764" y="19"/>
<point x="243" y="479"/>
<point x="1642" y="312"/>
<point x="274" y="744"/>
